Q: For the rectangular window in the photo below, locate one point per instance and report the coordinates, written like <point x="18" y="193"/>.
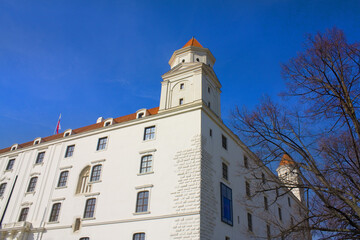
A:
<point x="54" y="215"/>
<point x="227" y="238"/>
<point x="225" y="171"/>
<point x="32" y="184"/>
<point x="250" y="225"/>
<point x="2" y="189"/>
<point x="280" y="214"/>
<point x="266" y="205"/>
<point x="289" y="201"/>
<point x="23" y="214"/>
<point x="247" y="189"/>
<point x="263" y="179"/>
<point x="226" y="204"/>
<point x="90" y="208"/>
<point x="149" y="133"/>
<point x="139" y="236"/>
<point x="182" y="86"/>
<point x="224" y="141"/>
<point x="95" y="173"/>
<point x="63" y="179"/>
<point x="69" y="151"/>
<point x="210" y="132"/>
<point x="10" y="164"/>
<point x="268" y="232"/>
<point x="40" y="157"/>
<point x="246" y="162"/>
<point x="142" y="201"/>
<point x="146" y="164"/>
<point x="101" y="143"/>
<point x="277" y="192"/>
<point x="181" y="101"/>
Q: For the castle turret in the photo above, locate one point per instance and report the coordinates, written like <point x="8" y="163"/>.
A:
<point x="288" y="173"/>
<point x="191" y="79"/>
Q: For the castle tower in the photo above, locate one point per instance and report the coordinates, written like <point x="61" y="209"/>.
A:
<point x="288" y="173"/>
<point x="191" y="79"/>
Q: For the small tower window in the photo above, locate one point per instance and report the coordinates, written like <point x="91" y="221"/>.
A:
<point x="208" y="89"/>
<point x="182" y="86"/>
<point x="209" y="105"/>
<point x="181" y="101"/>
<point x="198" y="60"/>
<point x="183" y="60"/>
<point x="210" y="133"/>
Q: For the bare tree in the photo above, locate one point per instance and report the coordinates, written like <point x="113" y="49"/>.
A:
<point x="317" y="124"/>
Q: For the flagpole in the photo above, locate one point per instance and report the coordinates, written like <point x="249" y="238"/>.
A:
<point x="58" y="127"/>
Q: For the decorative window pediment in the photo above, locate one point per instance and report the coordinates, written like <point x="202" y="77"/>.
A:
<point x="37" y="141"/>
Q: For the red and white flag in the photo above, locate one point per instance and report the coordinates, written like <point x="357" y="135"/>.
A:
<point x="58" y="127"/>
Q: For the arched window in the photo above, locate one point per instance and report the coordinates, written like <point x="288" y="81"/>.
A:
<point x="2" y="189"/>
<point x="54" y="215"/>
<point x="139" y="236"/>
<point x="23" y="214"/>
<point x="142" y="201"/>
<point x="32" y="184"/>
<point x="63" y="178"/>
<point x="90" y="208"/>
<point x="83" y="182"/>
<point x="84" y="238"/>
<point x="146" y="164"/>
<point x="95" y="173"/>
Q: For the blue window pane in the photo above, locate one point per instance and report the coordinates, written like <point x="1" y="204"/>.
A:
<point x="226" y="204"/>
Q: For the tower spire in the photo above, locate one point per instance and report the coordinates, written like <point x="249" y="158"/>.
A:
<point x="193" y="42"/>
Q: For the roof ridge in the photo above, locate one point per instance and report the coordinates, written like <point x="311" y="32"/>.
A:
<point x="125" y="118"/>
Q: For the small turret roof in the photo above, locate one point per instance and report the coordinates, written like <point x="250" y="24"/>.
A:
<point x="286" y="160"/>
<point x="193" y="42"/>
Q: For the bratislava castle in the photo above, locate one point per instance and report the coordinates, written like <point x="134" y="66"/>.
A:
<point x="170" y="172"/>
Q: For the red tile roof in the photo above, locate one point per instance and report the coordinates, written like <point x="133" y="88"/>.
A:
<point x="286" y="160"/>
<point x="193" y="42"/>
<point x="152" y="111"/>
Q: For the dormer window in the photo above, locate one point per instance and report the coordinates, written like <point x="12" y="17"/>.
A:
<point x="141" y="113"/>
<point x="14" y="147"/>
<point x="37" y="141"/>
<point x="108" y="122"/>
<point x="182" y="86"/>
<point x="181" y="101"/>
<point x="68" y="133"/>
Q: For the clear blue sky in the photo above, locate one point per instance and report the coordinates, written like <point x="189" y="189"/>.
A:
<point x="87" y="59"/>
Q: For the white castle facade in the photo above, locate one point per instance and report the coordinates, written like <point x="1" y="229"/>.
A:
<point x="173" y="172"/>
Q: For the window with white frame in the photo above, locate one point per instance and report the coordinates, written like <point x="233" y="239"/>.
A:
<point x="10" y="164"/>
<point x="40" y="157"/>
<point x="63" y="178"/>
<point x="149" y="133"/>
<point x="2" y="189"/>
<point x="32" y="184"/>
<point x="95" y="173"/>
<point x="146" y="164"/>
<point x="139" y="236"/>
<point x="142" y="201"/>
<point x="23" y="214"/>
<point x="55" y="210"/>
<point x="90" y="208"/>
<point x="101" y="143"/>
<point x="69" y="151"/>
